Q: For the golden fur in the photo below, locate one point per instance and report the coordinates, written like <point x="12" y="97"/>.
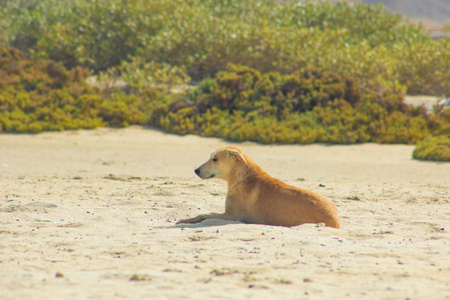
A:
<point x="255" y="197"/>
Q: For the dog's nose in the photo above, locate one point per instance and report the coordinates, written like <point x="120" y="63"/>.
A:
<point x="197" y="171"/>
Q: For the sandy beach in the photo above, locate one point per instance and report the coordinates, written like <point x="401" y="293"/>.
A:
<point x="91" y="215"/>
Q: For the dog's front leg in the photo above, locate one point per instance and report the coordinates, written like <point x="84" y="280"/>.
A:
<point x="201" y="218"/>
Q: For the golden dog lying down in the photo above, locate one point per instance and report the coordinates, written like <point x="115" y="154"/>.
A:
<point x="255" y="197"/>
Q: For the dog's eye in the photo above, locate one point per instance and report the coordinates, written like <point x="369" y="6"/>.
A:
<point x="215" y="159"/>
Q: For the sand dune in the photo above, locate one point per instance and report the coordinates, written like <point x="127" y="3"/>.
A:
<point x="91" y="214"/>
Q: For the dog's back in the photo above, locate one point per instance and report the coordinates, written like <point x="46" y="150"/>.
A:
<point x="278" y="203"/>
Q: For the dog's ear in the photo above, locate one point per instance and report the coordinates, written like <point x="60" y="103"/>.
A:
<point x="234" y="154"/>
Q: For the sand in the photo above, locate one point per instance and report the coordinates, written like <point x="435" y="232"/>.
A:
<point x="91" y="215"/>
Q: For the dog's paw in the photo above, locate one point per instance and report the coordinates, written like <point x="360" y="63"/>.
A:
<point x="184" y="221"/>
<point x="197" y="219"/>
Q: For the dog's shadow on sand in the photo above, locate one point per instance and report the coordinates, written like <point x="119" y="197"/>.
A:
<point x="205" y="223"/>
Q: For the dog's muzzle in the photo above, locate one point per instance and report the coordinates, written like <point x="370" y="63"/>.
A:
<point x="197" y="171"/>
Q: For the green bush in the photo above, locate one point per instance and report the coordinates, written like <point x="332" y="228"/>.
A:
<point x="241" y="103"/>
<point x="436" y="148"/>
<point x="43" y="95"/>
<point x="424" y="69"/>
<point x="94" y="33"/>
<point x="138" y="75"/>
<point x="311" y="105"/>
<point x="204" y="36"/>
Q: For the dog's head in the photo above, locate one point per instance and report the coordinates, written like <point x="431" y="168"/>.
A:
<point x="221" y="163"/>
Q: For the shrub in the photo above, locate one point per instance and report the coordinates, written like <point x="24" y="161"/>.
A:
<point x="43" y="95"/>
<point x="94" y="33"/>
<point x="138" y="75"/>
<point x="241" y="103"/>
<point x="435" y="148"/>
<point x="204" y="36"/>
<point x="423" y="66"/>
<point x="311" y="105"/>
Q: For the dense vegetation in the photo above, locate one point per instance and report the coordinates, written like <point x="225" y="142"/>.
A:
<point x="311" y="105"/>
<point x="435" y="148"/>
<point x="203" y="36"/>
<point x="42" y="95"/>
<point x="314" y="71"/>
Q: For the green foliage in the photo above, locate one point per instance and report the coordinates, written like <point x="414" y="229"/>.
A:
<point x="241" y="103"/>
<point x="436" y="148"/>
<point x="94" y="33"/>
<point x="203" y="36"/>
<point x="137" y="75"/>
<point x="311" y="105"/>
<point x="42" y="95"/>
<point x="423" y="69"/>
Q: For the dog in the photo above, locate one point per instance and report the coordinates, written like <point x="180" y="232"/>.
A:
<point x="254" y="196"/>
